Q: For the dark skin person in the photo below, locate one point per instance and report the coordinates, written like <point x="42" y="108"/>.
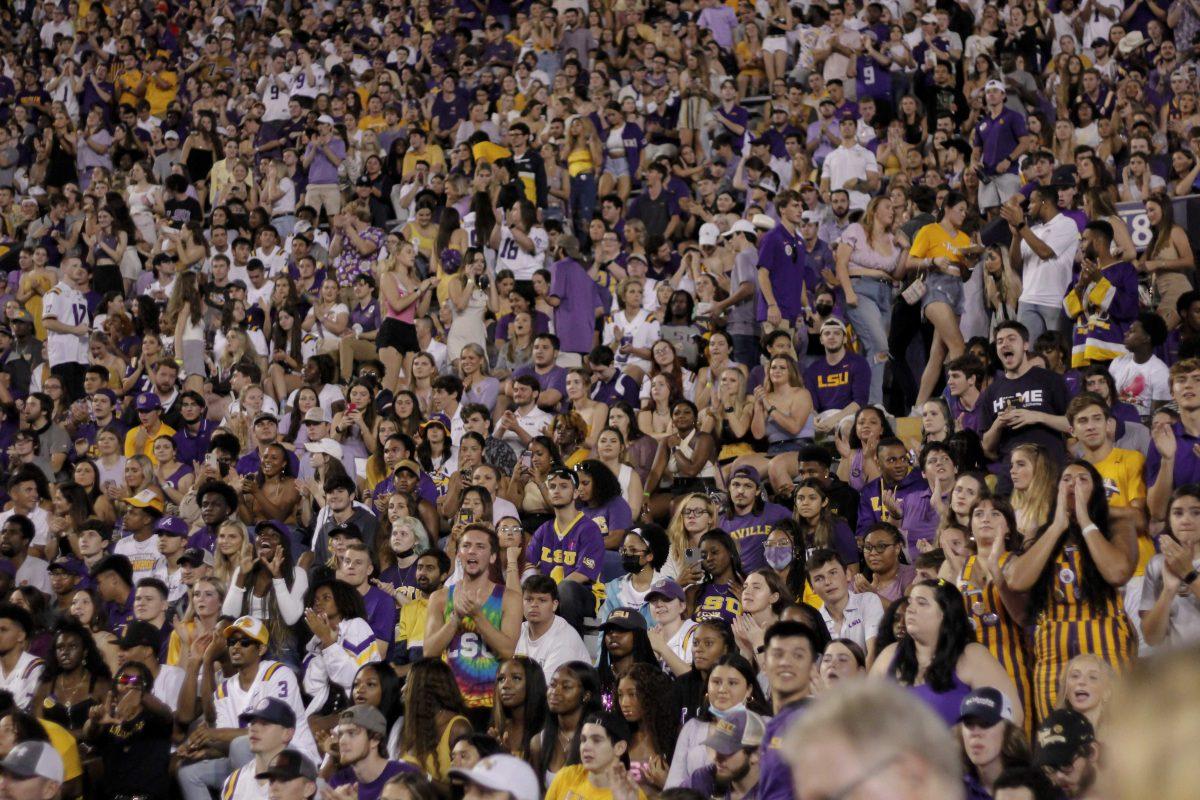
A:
<point x="510" y="688"/>
<point x="718" y="563"/>
<point x="564" y="698"/>
<point x="71" y="686"/>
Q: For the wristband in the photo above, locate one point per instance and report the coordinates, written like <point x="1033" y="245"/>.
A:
<point x="1090" y="528"/>
<point x="1190" y="578"/>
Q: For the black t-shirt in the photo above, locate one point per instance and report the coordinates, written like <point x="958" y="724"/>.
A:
<point x="137" y="757"/>
<point x="181" y="212"/>
<point x="1039" y="389"/>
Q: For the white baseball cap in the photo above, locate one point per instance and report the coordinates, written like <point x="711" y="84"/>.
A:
<point x="329" y="446"/>
<point x="741" y="226"/>
<point x="998" y="85"/>
<point x="502" y="773"/>
<point x="762" y="222"/>
<point x="33" y="760"/>
<point x="709" y="233"/>
<point x="325" y="119"/>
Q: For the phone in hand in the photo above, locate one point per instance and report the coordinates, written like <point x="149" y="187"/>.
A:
<point x="526" y="460"/>
<point x="466" y="516"/>
<point x="691" y="556"/>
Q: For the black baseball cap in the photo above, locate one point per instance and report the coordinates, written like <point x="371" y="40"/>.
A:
<point x="1061" y="737"/>
<point x="287" y="766"/>
<point x="140" y="634"/>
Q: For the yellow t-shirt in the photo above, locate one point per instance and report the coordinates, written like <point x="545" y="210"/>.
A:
<point x="571" y="783"/>
<point x="158" y="98"/>
<point x="410" y="628"/>
<point x="433" y="156"/>
<point x="1122" y="471"/>
<point x="933" y="242"/>
<point x="148" y="448"/>
<point x="62" y="741"/>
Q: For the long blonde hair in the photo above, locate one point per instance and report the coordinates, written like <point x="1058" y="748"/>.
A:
<point x="868" y="219"/>
<point x="1032" y="505"/>
<point x="224" y="566"/>
<point x="676" y="535"/>
<point x="1079" y="660"/>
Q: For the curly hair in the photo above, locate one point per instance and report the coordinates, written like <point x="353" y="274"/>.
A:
<point x="660" y="715"/>
<point x="93" y="662"/>
<point x="430" y="688"/>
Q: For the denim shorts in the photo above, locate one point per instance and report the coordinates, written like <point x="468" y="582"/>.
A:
<point x="617" y="166"/>
<point x="943" y="288"/>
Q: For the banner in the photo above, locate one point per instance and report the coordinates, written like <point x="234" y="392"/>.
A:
<point x="1186" y="211"/>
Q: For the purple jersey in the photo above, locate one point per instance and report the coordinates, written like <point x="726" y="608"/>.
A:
<point x="717" y="601"/>
<point x="873" y="79"/>
<point x="400" y="576"/>
<point x="615" y="515"/>
<point x="750" y="531"/>
<point x="559" y="553"/>
<point x="835" y="386"/>
<point x="381" y="614"/>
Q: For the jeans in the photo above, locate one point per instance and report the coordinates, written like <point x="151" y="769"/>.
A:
<point x="583" y="203"/>
<point x="1039" y="319"/>
<point x="871" y="320"/>
<point x="745" y="349"/>
<point x="197" y="780"/>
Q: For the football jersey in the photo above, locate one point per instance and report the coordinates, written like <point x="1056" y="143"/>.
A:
<point x="338" y="664"/>
<point x="272" y="680"/>
<point x="67" y="305"/>
<point x="242" y="785"/>
<point x="579" y="548"/>
<point x="511" y="256"/>
<point x="144" y="556"/>
<point x="23" y="680"/>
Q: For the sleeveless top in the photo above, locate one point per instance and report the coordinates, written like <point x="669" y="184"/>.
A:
<point x="71" y="716"/>
<point x="409" y="313"/>
<point x="474" y="665"/>
<point x="944" y="704"/>
<point x="685" y="446"/>
<point x="579" y="161"/>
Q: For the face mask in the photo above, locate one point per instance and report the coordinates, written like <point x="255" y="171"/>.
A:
<point x="778" y="556"/>
<point x="727" y="713"/>
<point x="631" y="564"/>
<point x="824" y="310"/>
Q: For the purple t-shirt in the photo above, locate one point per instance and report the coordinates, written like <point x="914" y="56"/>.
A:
<point x="322" y="171"/>
<point x="373" y="789"/>
<point x="781" y="254"/>
<point x="615" y="515"/>
<point x="381" y="614"/>
<point x="400" y="576"/>
<point x="774" y="775"/>
<point x="580" y="548"/>
<point x="554" y="378"/>
<point x="835" y="386"/>
<point x="575" y="317"/>
<point x="1187" y="464"/>
<point x="750" y="531"/>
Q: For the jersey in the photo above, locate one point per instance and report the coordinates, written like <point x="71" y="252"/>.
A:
<point x="996" y="630"/>
<point x="523" y="264"/>
<point x="473" y="663"/>
<point x="275" y="97"/>
<point x="23" y="680"/>
<point x="873" y="79"/>
<point x="67" y="305"/>
<point x="303" y="87"/>
<point x="144" y="556"/>
<point x="559" y="553"/>
<point x="717" y="601"/>
<point x="1123" y="472"/>
<point x="272" y="680"/>
<point x="336" y="665"/>
<point x="571" y="783"/>
<point x="242" y="785"/>
<point x="410" y="630"/>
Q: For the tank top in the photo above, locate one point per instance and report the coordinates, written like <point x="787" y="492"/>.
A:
<point x="944" y="704"/>
<point x="474" y="665"/>
<point x="579" y="161"/>
<point x="408" y="314"/>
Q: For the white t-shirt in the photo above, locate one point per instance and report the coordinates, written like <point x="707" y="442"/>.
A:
<point x="40" y="518"/>
<point x="34" y="572"/>
<point x="1045" y="281"/>
<point x="533" y="423"/>
<point x="167" y="684"/>
<point x="511" y="256"/>
<point x="557" y="646"/>
<point x="144" y="556"/>
<point x="67" y="305"/>
<point x="23" y="680"/>
<point x="1141" y="385"/>
<point x="846" y="163"/>
<point x="302" y="86"/>
<point x="860" y="619"/>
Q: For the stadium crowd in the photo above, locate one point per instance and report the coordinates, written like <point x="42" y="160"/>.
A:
<point x="599" y="399"/>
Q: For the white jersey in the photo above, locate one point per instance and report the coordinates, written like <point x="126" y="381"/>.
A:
<point x="273" y="680"/>
<point x="144" y="556"/>
<point x="167" y="684"/>
<point x="640" y="332"/>
<point x="275" y="96"/>
<point x="67" y="305"/>
<point x="302" y="86"/>
<point x="337" y="664"/>
<point x="242" y="785"/>
<point x="23" y="680"/>
<point x="511" y="256"/>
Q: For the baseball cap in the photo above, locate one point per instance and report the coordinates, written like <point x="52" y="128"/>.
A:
<point x="665" y="588"/>
<point x="833" y="322"/>
<point x="811" y="217"/>
<point x="328" y="446"/>
<point x="248" y="626"/>
<point x="762" y="222"/>
<point x="502" y="773"/>
<point x="437" y="419"/>
<point x="106" y="392"/>
<point x="366" y="717"/>
<point x="987" y="705"/>
<point x="767" y="184"/>
<point x="195" y="556"/>
<point x="709" y="234"/>
<point x="287" y="766"/>
<point x="67" y="564"/>
<point x="171" y="526"/>
<point x="625" y="619"/>
<point x="146" y="498"/>
<point x="1064" y="175"/>
<point x="148" y="401"/>
<point x="325" y="119"/>
<point x="22" y="315"/>
<point x="316" y="414"/>
<point x="998" y="85"/>
<point x="931" y="18"/>
<point x="740" y="730"/>
<point x="409" y="465"/>
<point x="272" y="710"/>
<point x="1061" y="736"/>
<point x="741" y="226"/>
<point x="34" y="760"/>
<point x="265" y="415"/>
<point x="138" y="634"/>
<point x="747" y="472"/>
<point x="171" y="135"/>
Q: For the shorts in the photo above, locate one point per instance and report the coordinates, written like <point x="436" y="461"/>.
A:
<point x="775" y="44"/>
<point x="617" y="166"/>
<point x="943" y="288"/>
<point x="786" y="446"/>
<point x="398" y="335"/>
<point x="997" y="191"/>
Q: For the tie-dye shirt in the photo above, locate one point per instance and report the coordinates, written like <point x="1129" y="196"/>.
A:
<point x="473" y="663"/>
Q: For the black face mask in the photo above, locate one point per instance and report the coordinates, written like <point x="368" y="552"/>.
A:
<point x="631" y="564"/>
<point x="824" y="310"/>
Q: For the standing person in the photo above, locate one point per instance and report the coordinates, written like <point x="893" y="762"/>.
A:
<point x="1140" y="377"/>
<point x="739" y="306"/>
<point x="790" y="652"/>
<point x="781" y="267"/>
<point x="899" y="496"/>
<point x="569" y="548"/>
<point x="68" y="326"/>
<point x="1170" y="605"/>
<point x="1024" y="405"/>
<point x="1104" y="300"/>
<point x="322" y="157"/>
<point x="940" y="249"/>
<point x="1171" y="461"/>
<point x="999" y="140"/>
<point x="1169" y="257"/>
<point x="1043" y="250"/>
<point x="1073" y="572"/>
<point x="476" y="622"/>
<point x="576" y="300"/>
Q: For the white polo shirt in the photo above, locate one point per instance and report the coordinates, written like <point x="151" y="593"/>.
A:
<point x="847" y="163"/>
<point x="860" y="619"/>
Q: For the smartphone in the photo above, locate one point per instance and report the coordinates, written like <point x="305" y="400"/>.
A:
<point x="350" y="409"/>
<point x="466" y="516"/>
<point x="691" y="556"/>
<point x="210" y="461"/>
<point x="526" y="460"/>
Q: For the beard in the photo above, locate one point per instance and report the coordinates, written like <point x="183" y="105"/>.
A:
<point x="723" y="782"/>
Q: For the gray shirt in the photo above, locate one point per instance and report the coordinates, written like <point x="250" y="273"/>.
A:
<point x="1183" y="621"/>
<point x="740" y="317"/>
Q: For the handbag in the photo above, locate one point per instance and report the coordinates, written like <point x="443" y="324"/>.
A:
<point x="915" y="291"/>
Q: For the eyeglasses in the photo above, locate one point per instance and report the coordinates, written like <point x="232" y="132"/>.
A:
<point x="241" y="641"/>
<point x="631" y="553"/>
<point x="877" y="548"/>
<point x="509" y="529"/>
<point x="695" y="512"/>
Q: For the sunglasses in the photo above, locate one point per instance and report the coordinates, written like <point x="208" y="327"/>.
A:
<point x="242" y="641"/>
<point x="129" y="680"/>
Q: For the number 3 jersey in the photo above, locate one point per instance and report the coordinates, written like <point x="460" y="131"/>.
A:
<point x="272" y="680"/>
<point x="474" y="664"/>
